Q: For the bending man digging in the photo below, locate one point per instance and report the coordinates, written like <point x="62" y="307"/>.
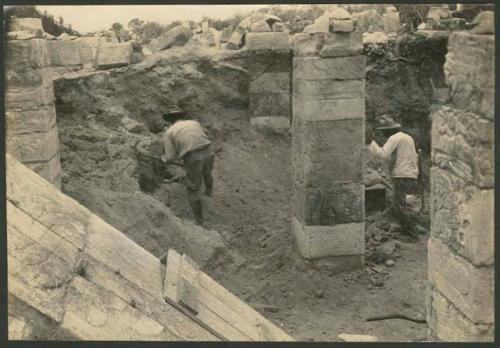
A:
<point x="187" y="140"/>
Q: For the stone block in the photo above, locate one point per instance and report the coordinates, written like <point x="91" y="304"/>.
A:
<point x="334" y="205"/>
<point x="341" y="26"/>
<point x="328" y="109"/>
<point x="465" y="137"/>
<point x="323" y="241"/>
<point x="320" y="25"/>
<point x="268" y="61"/>
<point x="26" y="54"/>
<point x="177" y="36"/>
<point x="39" y="94"/>
<point x="49" y="170"/>
<point x="32" y="25"/>
<point x="88" y="50"/>
<point x="450" y="325"/>
<point x="342" y="44"/>
<point x="278" y="82"/>
<point x="19" y="329"/>
<point x="307" y="44"/>
<point x="276" y="123"/>
<point x="327" y="153"/>
<point x="267" y="41"/>
<point x="114" y="55"/>
<point x="236" y="39"/>
<point x="22" y="35"/>
<point x="329" y="89"/>
<point x="391" y="22"/>
<point x="64" y="52"/>
<point x="462" y="217"/>
<point x="259" y="27"/>
<point x="34" y="147"/>
<point x="469" y="288"/>
<point x="30" y="121"/>
<point x="269" y="104"/>
<point x="470" y="72"/>
<point x="343" y="68"/>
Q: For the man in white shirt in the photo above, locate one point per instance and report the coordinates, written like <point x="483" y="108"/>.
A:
<point x="187" y="140"/>
<point x="399" y="149"/>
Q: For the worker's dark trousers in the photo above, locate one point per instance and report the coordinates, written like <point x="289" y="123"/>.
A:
<point x="198" y="165"/>
<point x="406" y="217"/>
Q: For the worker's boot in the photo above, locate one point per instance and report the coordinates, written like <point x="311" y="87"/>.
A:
<point x="197" y="211"/>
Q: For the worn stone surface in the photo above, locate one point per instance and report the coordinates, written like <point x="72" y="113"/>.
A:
<point x="315" y="68"/>
<point x="49" y="170"/>
<point x="34" y="147"/>
<point x="342" y="44"/>
<point x="307" y="44"/>
<point x="341" y="26"/>
<point x="329" y="89"/>
<point x="448" y="324"/>
<point x="357" y="338"/>
<point x="484" y="23"/>
<point x="321" y="241"/>
<point x="467" y="139"/>
<point x="391" y="22"/>
<point x="88" y="50"/>
<point x="328" y="109"/>
<point x="64" y="52"/>
<point x="269" y="104"/>
<point x="114" y="55"/>
<point x="87" y="277"/>
<point x="177" y="36"/>
<point x="30" y="121"/>
<point x="278" y="123"/>
<point x="32" y="25"/>
<point x="469" y="288"/>
<point x="471" y="55"/>
<point x="367" y="19"/>
<point x="269" y="41"/>
<point x="26" y="54"/>
<point x="275" y="82"/>
<point x="259" y="27"/>
<point x="29" y="91"/>
<point x="339" y="204"/>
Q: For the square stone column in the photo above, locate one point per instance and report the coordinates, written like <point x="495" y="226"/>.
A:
<point x="270" y="66"/>
<point x="31" y="129"/>
<point x="461" y="248"/>
<point x="328" y="131"/>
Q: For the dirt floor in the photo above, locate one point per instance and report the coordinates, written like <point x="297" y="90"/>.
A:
<point x="246" y="243"/>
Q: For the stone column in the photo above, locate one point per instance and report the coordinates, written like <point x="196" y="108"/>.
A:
<point x="269" y="66"/>
<point x="328" y="131"/>
<point x="461" y="246"/>
<point x="31" y="129"/>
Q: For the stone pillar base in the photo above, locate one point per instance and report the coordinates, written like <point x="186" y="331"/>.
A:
<point x="322" y="241"/>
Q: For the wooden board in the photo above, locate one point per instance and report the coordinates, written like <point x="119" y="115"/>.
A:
<point x="213" y="305"/>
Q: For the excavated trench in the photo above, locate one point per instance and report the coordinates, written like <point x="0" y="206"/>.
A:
<point x="246" y="244"/>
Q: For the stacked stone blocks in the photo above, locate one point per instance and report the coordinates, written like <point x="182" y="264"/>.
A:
<point x="461" y="247"/>
<point x="327" y="144"/>
<point x="269" y="66"/>
<point x="31" y="127"/>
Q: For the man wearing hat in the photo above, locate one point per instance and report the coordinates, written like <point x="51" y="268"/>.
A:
<point x="399" y="149"/>
<point x="186" y="139"/>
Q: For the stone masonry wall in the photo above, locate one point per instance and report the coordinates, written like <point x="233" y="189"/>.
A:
<point x="461" y="247"/>
<point x="31" y="129"/>
<point x="269" y="66"/>
<point x="328" y="131"/>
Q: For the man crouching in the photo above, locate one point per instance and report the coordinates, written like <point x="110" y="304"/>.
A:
<point x="187" y="140"/>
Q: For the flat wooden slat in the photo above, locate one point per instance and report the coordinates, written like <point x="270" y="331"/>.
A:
<point x="242" y="308"/>
<point x="216" y="307"/>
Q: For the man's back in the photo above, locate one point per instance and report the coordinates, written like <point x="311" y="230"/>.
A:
<point x="406" y="164"/>
<point x="187" y="136"/>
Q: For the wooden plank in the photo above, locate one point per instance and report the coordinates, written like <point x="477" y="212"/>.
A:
<point x="188" y="294"/>
<point x="216" y="307"/>
<point x="254" y="317"/>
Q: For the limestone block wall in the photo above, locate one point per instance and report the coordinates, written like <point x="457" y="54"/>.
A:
<point x="31" y="129"/>
<point x="269" y="66"/>
<point x="328" y="131"/>
<point x="73" y="276"/>
<point x="461" y="246"/>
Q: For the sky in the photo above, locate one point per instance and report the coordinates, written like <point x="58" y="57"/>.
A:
<point x="86" y="18"/>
